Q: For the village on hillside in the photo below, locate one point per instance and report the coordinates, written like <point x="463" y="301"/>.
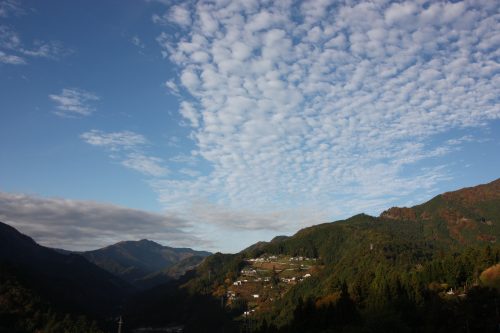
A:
<point x="266" y="279"/>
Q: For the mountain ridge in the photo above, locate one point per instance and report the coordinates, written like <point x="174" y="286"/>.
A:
<point x="143" y="263"/>
<point x="94" y="289"/>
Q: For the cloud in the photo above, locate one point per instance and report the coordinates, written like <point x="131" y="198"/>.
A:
<point x="236" y="220"/>
<point x="50" y="50"/>
<point x="137" y="42"/>
<point x="172" y="87"/>
<point x="182" y="158"/>
<point x="190" y="172"/>
<point x="8" y="7"/>
<point x="85" y="225"/>
<point x="73" y="102"/>
<point x="148" y="165"/>
<point x="13" y="50"/>
<point x="333" y="106"/>
<point x="9" y="41"/>
<point x="177" y="14"/>
<point x="11" y="59"/>
<point x="189" y="112"/>
<point x="114" y="141"/>
<point x="128" y="147"/>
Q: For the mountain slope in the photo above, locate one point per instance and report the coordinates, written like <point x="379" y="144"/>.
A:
<point x="69" y="282"/>
<point x="383" y="260"/>
<point x="135" y="261"/>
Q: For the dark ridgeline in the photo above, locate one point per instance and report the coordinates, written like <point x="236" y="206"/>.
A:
<point x="428" y="268"/>
<point x="40" y="286"/>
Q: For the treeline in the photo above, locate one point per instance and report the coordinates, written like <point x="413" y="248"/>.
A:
<point x="23" y="310"/>
<point x="447" y="294"/>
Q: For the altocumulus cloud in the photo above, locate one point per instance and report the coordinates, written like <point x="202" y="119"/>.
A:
<point x="83" y="225"/>
<point x="12" y="49"/>
<point x="73" y="102"/>
<point x="324" y="104"/>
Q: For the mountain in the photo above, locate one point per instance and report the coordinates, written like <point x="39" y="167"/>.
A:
<point x="432" y="267"/>
<point x="145" y="263"/>
<point x="371" y="274"/>
<point x="467" y="216"/>
<point x="67" y="283"/>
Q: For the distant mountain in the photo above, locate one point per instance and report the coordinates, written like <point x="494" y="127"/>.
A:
<point x="67" y="282"/>
<point x="145" y="263"/>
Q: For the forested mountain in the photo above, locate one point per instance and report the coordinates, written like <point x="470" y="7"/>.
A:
<point x="428" y="268"/>
<point x="145" y="263"/>
<point x="39" y="286"/>
<point x="410" y="269"/>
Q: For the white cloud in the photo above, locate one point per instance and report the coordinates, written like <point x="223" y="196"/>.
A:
<point x="115" y="140"/>
<point x="190" y="172"/>
<point x="177" y="14"/>
<point x="8" y="7"/>
<point x="128" y="147"/>
<point x="49" y="50"/>
<point x="172" y="86"/>
<point x="74" y="102"/>
<point x="9" y="39"/>
<point x="180" y="15"/>
<point x="326" y="105"/>
<point x="188" y="111"/>
<point x="11" y="59"/>
<point x="13" y="50"/>
<point x="85" y="225"/>
<point x="148" y="165"/>
<point x="188" y="159"/>
<point x="137" y="42"/>
<point x="190" y="80"/>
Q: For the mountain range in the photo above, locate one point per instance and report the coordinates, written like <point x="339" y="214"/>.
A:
<point x="388" y="273"/>
<point x="41" y="285"/>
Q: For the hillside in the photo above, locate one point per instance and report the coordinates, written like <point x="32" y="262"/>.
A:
<point x="67" y="283"/>
<point x="428" y="268"/>
<point x="145" y="263"/>
<point x="368" y="264"/>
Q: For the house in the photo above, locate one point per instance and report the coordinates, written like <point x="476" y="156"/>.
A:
<point x="307" y="275"/>
<point x="237" y="283"/>
<point x="248" y="271"/>
<point x="255" y="295"/>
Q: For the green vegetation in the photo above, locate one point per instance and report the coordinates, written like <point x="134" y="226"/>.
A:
<point x="411" y="269"/>
<point x="430" y="268"/>
<point x="22" y="310"/>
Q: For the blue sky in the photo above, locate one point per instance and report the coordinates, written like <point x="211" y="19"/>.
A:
<point x="215" y="124"/>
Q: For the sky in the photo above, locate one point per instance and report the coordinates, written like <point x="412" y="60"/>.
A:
<point x="217" y="124"/>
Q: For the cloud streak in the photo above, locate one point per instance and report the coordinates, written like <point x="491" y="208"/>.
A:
<point x="85" y="225"/>
<point x="128" y="147"/>
<point x="115" y="140"/>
